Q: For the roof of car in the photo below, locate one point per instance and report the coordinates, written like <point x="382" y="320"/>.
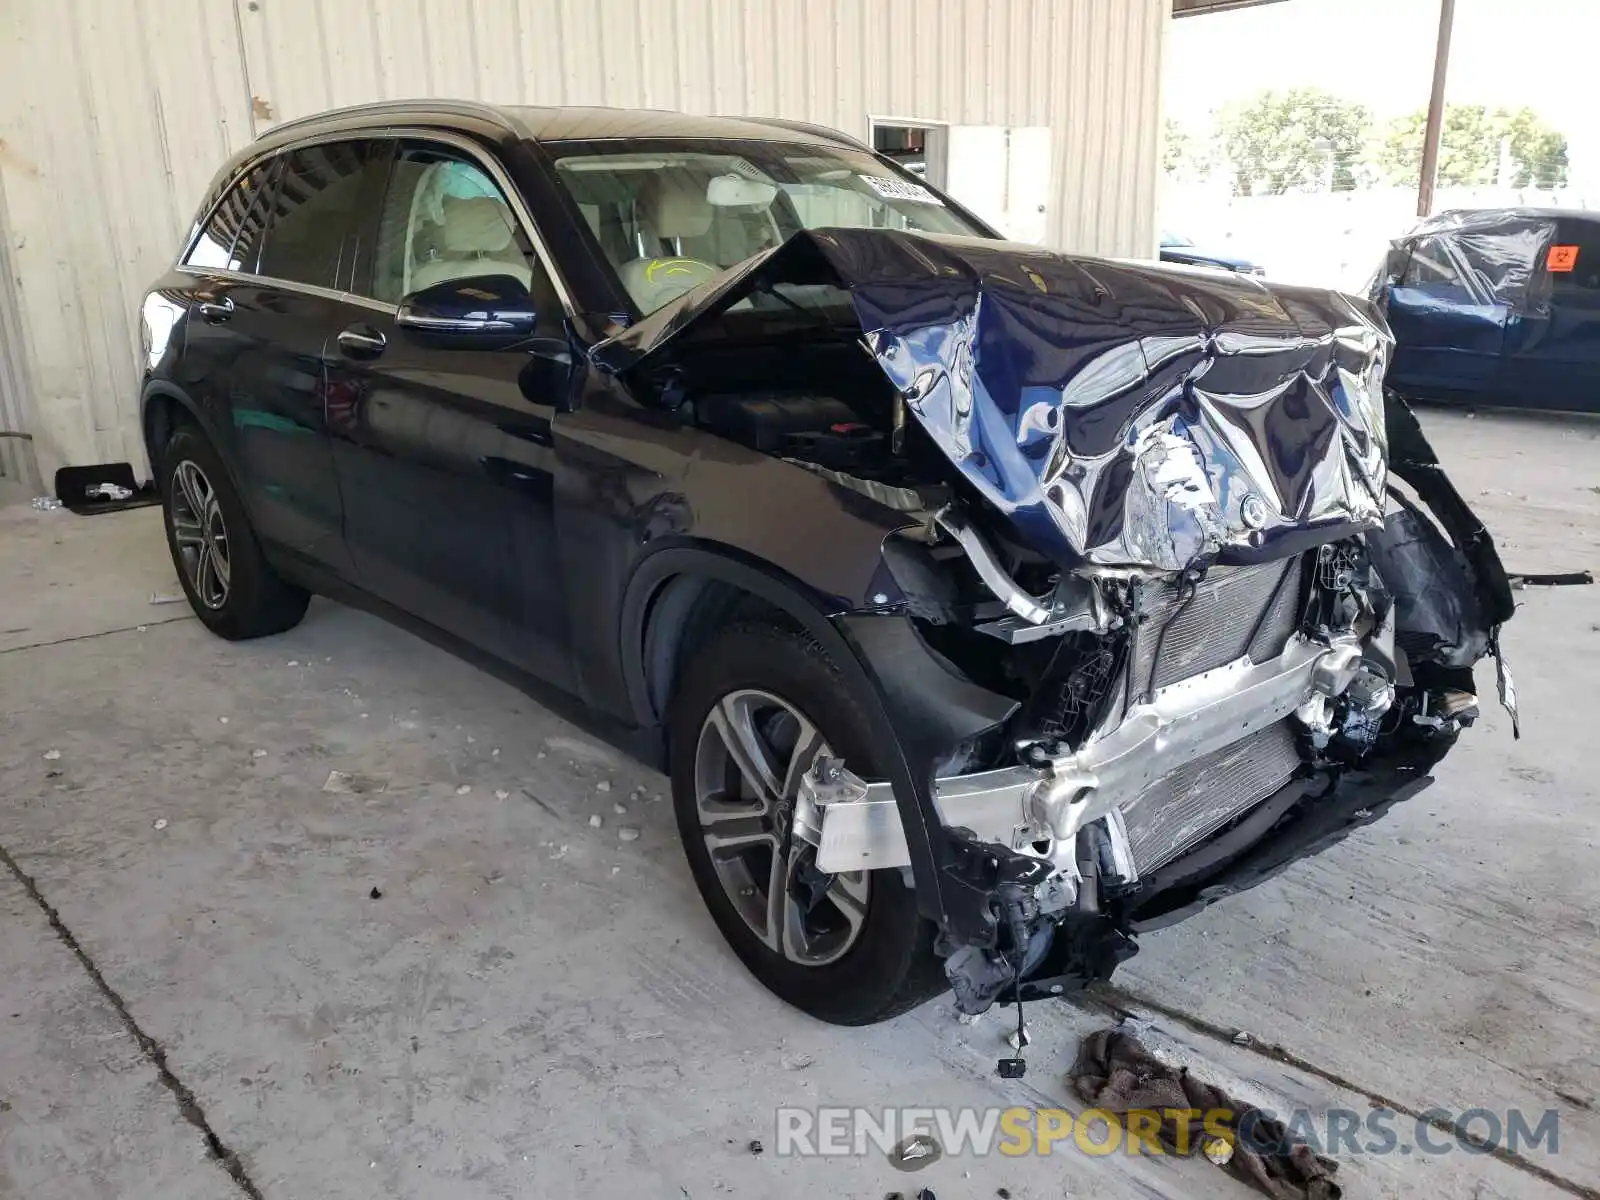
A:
<point x="1467" y="219"/>
<point x="562" y="124"/>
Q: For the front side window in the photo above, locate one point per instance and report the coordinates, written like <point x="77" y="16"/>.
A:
<point x="312" y="231"/>
<point x="231" y="238"/>
<point x="670" y="215"/>
<point x="442" y="219"/>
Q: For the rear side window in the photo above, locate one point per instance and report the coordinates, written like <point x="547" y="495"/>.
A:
<point x="316" y="211"/>
<point x="231" y="238"/>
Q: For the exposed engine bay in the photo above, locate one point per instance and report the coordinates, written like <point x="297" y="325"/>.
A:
<point x="1197" y="595"/>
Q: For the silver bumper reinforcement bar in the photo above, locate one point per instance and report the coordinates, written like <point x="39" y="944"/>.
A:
<point x="856" y="826"/>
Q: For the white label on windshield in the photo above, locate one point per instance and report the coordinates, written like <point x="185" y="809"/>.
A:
<point x="900" y="189"/>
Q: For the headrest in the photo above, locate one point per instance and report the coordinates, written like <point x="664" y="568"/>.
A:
<point x="675" y="205"/>
<point x="477" y="225"/>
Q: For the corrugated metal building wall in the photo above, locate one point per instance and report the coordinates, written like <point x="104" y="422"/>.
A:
<point x="116" y="112"/>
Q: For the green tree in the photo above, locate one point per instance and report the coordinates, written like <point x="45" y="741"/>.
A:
<point x="1177" y="146"/>
<point x="1470" y="141"/>
<point x="1303" y="138"/>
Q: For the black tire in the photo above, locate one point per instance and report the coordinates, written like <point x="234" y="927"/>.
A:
<point x="256" y="602"/>
<point x="891" y="966"/>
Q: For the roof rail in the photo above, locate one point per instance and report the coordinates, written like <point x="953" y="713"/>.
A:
<point x="473" y="108"/>
<point x="822" y="131"/>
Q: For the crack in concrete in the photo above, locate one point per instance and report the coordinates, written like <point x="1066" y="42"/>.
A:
<point x="88" y="637"/>
<point x="1123" y="1003"/>
<point x="188" y="1104"/>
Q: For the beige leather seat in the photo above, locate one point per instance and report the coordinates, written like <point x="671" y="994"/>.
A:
<point x="672" y="207"/>
<point x="477" y="240"/>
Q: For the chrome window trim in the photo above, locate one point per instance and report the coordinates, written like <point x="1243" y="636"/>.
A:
<point x="443" y="137"/>
<point x="287" y="285"/>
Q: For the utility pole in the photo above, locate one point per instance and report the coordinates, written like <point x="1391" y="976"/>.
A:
<point x="1430" y="137"/>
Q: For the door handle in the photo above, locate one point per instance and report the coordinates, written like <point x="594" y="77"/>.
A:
<point x="362" y="341"/>
<point x="216" y="310"/>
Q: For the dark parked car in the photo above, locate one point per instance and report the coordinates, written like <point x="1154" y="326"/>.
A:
<point x="1497" y="307"/>
<point x="985" y="604"/>
<point x="1175" y="248"/>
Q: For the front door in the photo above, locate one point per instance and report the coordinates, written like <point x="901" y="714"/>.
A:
<point x="1449" y="326"/>
<point x="443" y="453"/>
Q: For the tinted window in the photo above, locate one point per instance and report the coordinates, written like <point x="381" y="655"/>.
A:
<point x="231" y="238"/>
<point x="312" y="232"/>
<point x="443" y="218"/>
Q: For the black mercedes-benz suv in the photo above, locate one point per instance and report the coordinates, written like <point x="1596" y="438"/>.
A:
<point x="986" y="604"/>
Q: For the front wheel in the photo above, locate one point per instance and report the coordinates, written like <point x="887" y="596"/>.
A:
<point x="755" y="709"/>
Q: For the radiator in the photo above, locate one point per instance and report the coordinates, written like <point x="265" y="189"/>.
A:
<point x="1235" y="611"/>
<point x="1216" y="626"/>
<point x="1179" y="811"/>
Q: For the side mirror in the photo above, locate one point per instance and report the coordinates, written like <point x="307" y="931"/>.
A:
<point x="479" y="311"/>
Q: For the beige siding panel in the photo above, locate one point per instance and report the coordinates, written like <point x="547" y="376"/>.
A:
<point x="100" y="178"/>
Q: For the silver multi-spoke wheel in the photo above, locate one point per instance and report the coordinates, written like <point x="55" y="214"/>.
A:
<point x="201" y="534"/>
<point x="754" y="748"/>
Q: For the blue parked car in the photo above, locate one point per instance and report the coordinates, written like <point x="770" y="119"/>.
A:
<point x="1497" y="307"/>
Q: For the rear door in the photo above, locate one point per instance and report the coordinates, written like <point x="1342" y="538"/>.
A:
<point x="444" y="453"/>
<point x="262" y="332"/>
<point x="1555" y="359"/>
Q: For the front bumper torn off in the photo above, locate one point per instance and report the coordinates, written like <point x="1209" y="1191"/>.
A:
<point x="1023" y="806"/>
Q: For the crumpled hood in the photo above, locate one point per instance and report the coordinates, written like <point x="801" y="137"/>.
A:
<point x="1123" y="414"/>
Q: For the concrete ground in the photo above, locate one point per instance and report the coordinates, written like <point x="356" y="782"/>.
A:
<point x="218" y="978"/>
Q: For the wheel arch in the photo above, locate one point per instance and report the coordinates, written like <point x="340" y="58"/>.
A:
<point x="679" y="596"/>
<point x="164" y="407"/>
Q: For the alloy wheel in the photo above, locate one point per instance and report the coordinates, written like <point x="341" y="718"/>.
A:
<point x="200" y="534"/>
<point x="754" y="748"/>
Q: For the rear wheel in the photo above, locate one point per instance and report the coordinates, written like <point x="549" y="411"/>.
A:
<point x="231" y="586"/>
<point x="755" y="709"/>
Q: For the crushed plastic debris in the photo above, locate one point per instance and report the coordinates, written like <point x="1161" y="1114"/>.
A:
<point x="627" y="834"/>
<point x="595" y="821"/>
<point x="46" y="503"/>
<point x="51" y="755"/>
<point x="293" y="662"/>
<point x="916" y="1152"/>
<point x="258" y="753"/>
<point x="501" y="794"/>
<point x="603" y="786"/>
<point x="463" y="789"/>
<point x="1219" y="1151"/>
<point x="967" y="1018"/>
<point x="141" y="628"/>
<point x="619" y="809"/>
<point x="351" y="784"/>
<point x="161" y="823"/>
<point x="1243" y="1038"/>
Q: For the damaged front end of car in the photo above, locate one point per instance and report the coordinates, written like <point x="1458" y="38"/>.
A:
<point x="1177" y="596"/>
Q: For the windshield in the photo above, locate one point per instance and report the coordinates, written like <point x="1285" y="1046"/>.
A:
<point x="668" y="216"/>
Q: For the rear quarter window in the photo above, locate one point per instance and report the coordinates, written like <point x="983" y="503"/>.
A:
<point x="230" y="239"/>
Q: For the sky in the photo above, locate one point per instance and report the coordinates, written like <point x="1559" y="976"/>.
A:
<point x="1380" y="52"/>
